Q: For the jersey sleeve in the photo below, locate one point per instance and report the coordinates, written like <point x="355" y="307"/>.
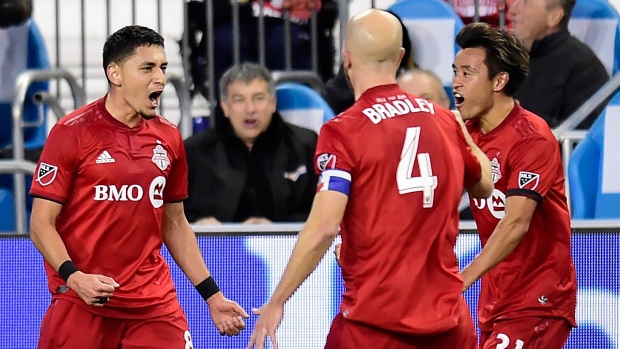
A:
<point x="334" y="161"/>
<point x="473" y="169"/>
<point x="59" y="161"/>
<point x="532" y="162"/>
<point x="176" y="189"/>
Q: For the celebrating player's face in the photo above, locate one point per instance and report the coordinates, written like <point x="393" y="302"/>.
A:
<point x="250" y="108"/>
<point x="143" y="77"/>
<point x="472" y="88"/>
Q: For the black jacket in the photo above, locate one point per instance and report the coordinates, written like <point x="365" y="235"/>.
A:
<point x="275" y="180"/>
<point x="564" y="73"/>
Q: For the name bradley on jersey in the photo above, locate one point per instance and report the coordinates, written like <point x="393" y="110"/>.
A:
<point x="392" y="106"/>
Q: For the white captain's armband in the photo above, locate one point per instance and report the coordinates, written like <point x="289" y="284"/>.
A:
<point x="336" y="180"/>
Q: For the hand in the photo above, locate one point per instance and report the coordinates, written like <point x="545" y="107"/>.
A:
<point x="226" y="314"/>
<point x="93" y="289"/>
<point x="208" y="221"/>
<point x="268" y="321"/>
<point x="257" y="220"/>
<point x="337" y="253"/>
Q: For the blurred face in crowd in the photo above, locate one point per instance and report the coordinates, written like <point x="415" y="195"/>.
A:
<point x="473" y="89"/>
<point x="424" y="85"/>
<point x="249" y="107"/>
<point x="141" y="78"/>
<point x="534" y="19"/>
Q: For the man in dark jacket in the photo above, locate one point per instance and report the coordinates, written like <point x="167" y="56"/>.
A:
<point x="564" y="72"/>
<point x="252" y="167"/>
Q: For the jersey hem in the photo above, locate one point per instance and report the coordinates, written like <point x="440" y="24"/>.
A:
<point x="488" y="325"/>
<point x="144" y="312"/>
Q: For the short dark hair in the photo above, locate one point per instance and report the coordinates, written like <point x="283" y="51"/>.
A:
<point x="505" y="52"/>
<point x="567" y="6"/>
<point x="246" y="72"/>
<point x="123" y="43"/>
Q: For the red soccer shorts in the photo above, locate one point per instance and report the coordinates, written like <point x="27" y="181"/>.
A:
<point x="527" y="333"/>
<point x="345" y="334"/>
<point x="68" y="326"/>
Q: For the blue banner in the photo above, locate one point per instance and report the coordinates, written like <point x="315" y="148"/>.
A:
<point x="247" y="268"/>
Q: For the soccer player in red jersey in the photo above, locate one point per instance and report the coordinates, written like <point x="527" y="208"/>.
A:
<point x="393" y="168"/>
<point x="108" y="192"/>
<point x="528" y="278"/>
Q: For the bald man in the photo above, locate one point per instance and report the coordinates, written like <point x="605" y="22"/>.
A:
<point x="392" y="169"/>
<point x="424" y="83"/>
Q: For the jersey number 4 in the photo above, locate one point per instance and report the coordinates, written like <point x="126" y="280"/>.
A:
<point x="426" y="182"/>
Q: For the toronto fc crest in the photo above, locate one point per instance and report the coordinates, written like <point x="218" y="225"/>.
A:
<point x="496" y="174"/>
<point x="160" y="157"/>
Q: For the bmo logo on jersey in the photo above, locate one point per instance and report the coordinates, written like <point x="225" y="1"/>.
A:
<point x="496" y="203"/>
<point x="132" y="192"/>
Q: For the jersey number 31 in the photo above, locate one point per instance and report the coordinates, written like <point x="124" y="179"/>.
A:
<point x="426" y="182"/>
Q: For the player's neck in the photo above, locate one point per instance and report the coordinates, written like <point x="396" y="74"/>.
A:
<point x="498" y="113"/>
<point x="119" y="109"/>
<point x="369" y="80"/>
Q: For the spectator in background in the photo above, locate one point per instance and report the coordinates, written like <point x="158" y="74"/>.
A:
<point x="564" y="72"/>
<point x="424" y="83"/>
<point x="252" y="167"/>
<point x="249" y="49"/>
<point x="275" y="43"/>
<point x="338" y="93"/>
<point x="488" y="10"/>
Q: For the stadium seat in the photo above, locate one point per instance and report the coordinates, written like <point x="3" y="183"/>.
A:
<point x="432" y="26"/>
<point x="21" y="48"/>
<point x="594" y="169"/>
<point x="302" y="106"/>
<point x="7" y="211"/>
<point x="597" y="23"/>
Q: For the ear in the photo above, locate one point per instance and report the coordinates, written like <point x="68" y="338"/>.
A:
<point x="346" y="59"/>
<point x="115" y="74"/>
<point x="555" y="16"/>
<point x="224" y="106"/>
<point x="401" y="54"/>
<point x="499" y="81"/>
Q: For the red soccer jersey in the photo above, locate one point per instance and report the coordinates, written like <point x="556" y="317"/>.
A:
<point x="403" y="162"/>
<point x="113" y="181"/>
<point x="538" y="277"/>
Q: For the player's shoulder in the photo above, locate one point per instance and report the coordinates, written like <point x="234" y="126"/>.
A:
<point x="81" y="116"/>
<point x="165" y="123"/>
<point x="528" y="126"/>
<point x="346" y="120"/>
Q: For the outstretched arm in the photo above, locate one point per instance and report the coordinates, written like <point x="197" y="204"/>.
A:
<point x="313" y="241"/>
<point x="181" y="242"/>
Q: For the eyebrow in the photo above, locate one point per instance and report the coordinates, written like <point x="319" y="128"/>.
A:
<point x="466" y="67"/>
<point x="152" y="64"/>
